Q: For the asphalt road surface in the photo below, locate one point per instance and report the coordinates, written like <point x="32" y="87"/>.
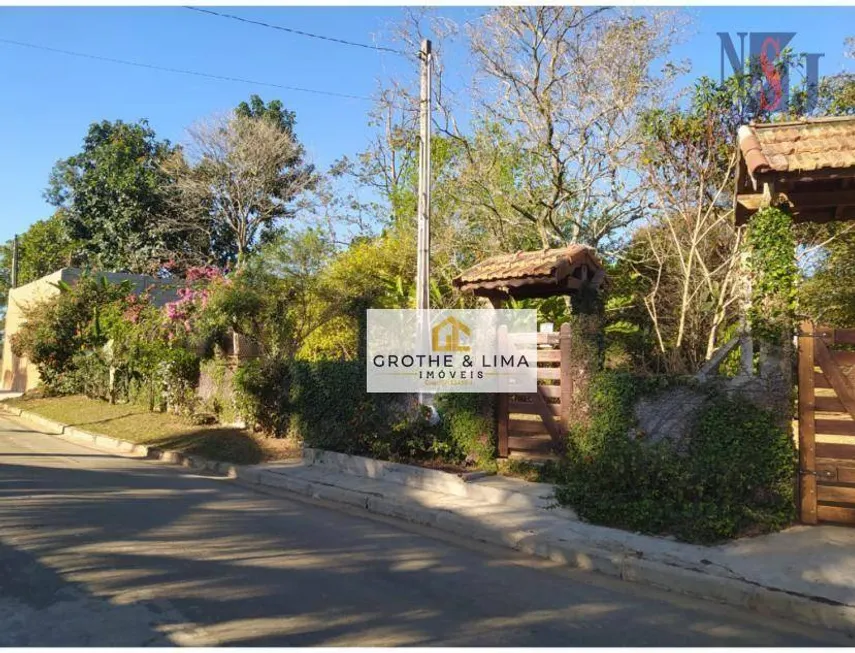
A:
<point x="109" y="551"/>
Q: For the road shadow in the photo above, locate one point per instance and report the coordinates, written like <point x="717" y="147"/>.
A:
<point x="38" y="607"/>
<point x="224" y="565"/>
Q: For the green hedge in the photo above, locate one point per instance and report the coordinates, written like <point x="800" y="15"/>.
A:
<point x="736" y="475"/>
<point x="331" y="409"/>
<point x="325" y="403"/>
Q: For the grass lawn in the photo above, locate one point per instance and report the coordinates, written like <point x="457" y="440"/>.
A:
<point x="137" y="424"/>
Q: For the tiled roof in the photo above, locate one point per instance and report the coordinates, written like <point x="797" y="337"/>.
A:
<point x="542" y="264"/>
<point x="804" y="145"/>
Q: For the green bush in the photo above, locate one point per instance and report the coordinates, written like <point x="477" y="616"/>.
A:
<point x="468" y="424"/>
<point x="736" y="475"/>
<point x="89" y="375"/>
<point x="262" y="395"/>
<point x="742" y="464"/>
<point x="332" y="410"/>
<point x="178" y="372"/>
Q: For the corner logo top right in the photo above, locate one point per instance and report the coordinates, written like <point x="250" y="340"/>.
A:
<point x="772" y="79"/>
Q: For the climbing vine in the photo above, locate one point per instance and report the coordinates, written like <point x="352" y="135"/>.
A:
<point x="732" y="474"/>
<point x="772" y="260"/>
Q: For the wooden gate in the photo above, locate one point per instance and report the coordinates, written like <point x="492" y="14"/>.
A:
<point x="535" y="425"/>
<point x="827" y="424"/>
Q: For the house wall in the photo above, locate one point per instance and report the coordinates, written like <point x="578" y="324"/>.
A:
<point x="18" y="374"/>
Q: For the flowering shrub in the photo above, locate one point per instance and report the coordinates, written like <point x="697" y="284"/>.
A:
<point x="58" y="328"/>
<point x="192" y="298"/>
<point x="103" y="340"/>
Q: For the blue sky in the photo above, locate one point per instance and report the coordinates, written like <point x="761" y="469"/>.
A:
<point x="50" y="99"/>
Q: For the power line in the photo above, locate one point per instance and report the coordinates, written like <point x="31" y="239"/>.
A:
<point x="223" y="78"/>
<point x="296" y="31"/>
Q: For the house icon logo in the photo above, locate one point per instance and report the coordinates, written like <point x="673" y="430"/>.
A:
<point x="450" y="335"/>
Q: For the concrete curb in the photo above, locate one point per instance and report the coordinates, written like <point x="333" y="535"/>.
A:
<point x="510" y="492"/>
<point x="51" y="427"/>
<point x="579" y="553"/>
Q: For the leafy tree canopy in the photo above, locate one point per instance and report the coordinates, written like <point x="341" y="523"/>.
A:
<point x="274" y="111"/>
<point x="42" y="249"/>
<point x="113" y="193"/>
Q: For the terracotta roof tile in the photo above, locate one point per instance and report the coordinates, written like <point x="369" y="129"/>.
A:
<point x="544" y="263"/>
<point x="811" y="144"/>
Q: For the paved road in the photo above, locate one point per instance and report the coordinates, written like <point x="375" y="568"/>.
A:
<point x="109" y="551"/>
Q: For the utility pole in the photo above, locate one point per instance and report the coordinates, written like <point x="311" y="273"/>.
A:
<point x="423" y="261"/>
<point x="14" y="279"/>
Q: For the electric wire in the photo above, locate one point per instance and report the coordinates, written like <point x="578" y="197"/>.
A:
<point x="182" y="71"/>
<point x="296" y="31"/>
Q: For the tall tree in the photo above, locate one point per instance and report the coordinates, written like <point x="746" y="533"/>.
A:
<point x="247" y="173"/>
<point x="113" y="194"/>
<point x="567" y="85"/>
<point x="686" y="255"/>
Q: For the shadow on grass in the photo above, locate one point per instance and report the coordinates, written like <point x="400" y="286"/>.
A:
<point x="167" y="431"/>
<point x="106" y="420"/>
<point x="223" y="444"/>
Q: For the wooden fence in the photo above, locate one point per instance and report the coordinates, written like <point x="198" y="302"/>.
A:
<point x="534" y="425"/>
<point x="826" y="424"/>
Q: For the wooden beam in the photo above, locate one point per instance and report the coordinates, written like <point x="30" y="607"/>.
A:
<point x="769" y="196"/>
<point x="836" y="493"/>
<point x="530" y="408"/>
<point x="502" y="426"/>
<point x="530" y="443"/>
<point x="835" y="427"/>
<point x="836" y="451"/>
<point x="837" y="514"/>
<point x="808" y="175"/>
<point x="549" y="373"/>
<point x="550" y="391"/>
<point x="550" y="355"/>
<point x="829" y="405"/>
<point x="548" y="418"/>
<point x="801" y="201"/>
<point x="819" y="215"/>
<point x="496" y="300"/>
<point x="842" y="336"/>
<point x="835" y="377"/>
<point x="807" y="434"/>
<point x="836" y="471"/>
<point x="502" y="404"/>
<point x="566" y="378"/>
<point x="717" y="358"/>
